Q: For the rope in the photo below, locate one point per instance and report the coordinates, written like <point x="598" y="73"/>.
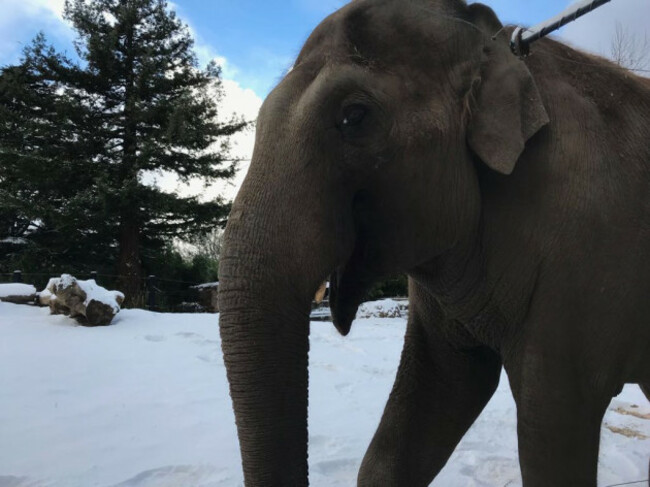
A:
<point x="496" y="34"/>
<point x="572" y="13"/>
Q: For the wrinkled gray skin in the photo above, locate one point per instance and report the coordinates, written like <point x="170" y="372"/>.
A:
<point x="515" y="194"/>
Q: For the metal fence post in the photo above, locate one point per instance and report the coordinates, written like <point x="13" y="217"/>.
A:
<point x="151" y="288"/>
<point x="18" y="276"/>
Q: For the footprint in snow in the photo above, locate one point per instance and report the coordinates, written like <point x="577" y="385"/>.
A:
<point x="344" y="388"/>
<point x="377" y="371"/>
<point x="213" y="358"/>
<point x="154" y="338"/>
<point x="325" y="366"/>
<point x="174" y="475"/>
<point x="318" y="440"/>
<point x="188" y="334"/>
<point x="494" y="469"/>
<point x="334" y="467"/>
<point x="197" y="338"/>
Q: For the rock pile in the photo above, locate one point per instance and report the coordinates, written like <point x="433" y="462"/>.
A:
<point x="86" y="301"/>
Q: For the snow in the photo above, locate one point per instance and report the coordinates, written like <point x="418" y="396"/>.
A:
<point x="14" y="240"/>
<point x="206" y="284"/>
<point x="46" y="294"/>
<point x="16" y="289"/>
<point x="144" y="403"/>
<point x="321" y="314"/>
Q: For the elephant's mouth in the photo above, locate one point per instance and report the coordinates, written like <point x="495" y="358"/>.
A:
<point x="350" y="282"/>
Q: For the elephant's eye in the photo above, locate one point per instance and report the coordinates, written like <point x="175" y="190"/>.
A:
<point x="353" y="115"/>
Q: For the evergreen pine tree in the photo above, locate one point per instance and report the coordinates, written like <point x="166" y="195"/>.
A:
<point x="43" y="164"/>
<point x="137" y="104"/>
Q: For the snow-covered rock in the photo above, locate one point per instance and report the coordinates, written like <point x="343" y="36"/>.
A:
<point x="208" y="295"/>
<point x="46" y="294"/>
<point x="16" y="292"/>
<point x="88" y="302"/>
<point x="384" y="308"/>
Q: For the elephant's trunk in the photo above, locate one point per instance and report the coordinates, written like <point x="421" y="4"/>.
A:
<point x="265" y="346"/>
<point x="282" y="240"/>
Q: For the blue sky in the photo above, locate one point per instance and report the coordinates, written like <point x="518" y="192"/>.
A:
<point x="262" y="38"/>
<point x="259" y="39"/>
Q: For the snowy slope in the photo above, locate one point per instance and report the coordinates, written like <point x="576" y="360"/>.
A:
<point x="145" y="403"/>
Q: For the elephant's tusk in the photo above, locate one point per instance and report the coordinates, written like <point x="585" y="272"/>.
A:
<point x="320" y="293"/>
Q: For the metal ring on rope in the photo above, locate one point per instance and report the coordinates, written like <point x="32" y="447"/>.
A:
<point x="522" y="38"/>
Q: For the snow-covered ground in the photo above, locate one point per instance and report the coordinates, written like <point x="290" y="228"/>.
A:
<point x="16" y="289"/>
<point x="144" y="403"/>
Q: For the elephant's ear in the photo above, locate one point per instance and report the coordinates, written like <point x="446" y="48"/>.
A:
<point x="507" y="108"/>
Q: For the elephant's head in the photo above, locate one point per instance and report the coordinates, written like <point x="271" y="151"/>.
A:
<point x="365" y="165"/>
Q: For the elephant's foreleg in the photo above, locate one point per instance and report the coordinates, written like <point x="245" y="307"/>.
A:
<point x="438" y="393"/>
<point x="558" y="425"/>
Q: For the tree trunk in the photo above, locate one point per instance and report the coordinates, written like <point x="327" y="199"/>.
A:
<point x="129" y="267"/>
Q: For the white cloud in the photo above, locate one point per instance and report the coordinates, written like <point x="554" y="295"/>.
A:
<point x="35" y="7"/>
<point x="594" y="32"/>
<point x="28" y="16"/>
<point x="205" y="54"/>
<point x="242" y="102"/>
<point x="238" y="100"/>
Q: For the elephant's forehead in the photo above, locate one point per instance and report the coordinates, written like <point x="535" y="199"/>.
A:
<point x="328" y="39"/>
<point x="372" y="31"/>
<point x="343" y="34"/>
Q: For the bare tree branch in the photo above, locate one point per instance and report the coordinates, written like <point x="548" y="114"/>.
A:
<point x="628" y="51"/>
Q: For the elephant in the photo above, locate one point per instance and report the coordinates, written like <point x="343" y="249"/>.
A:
<point x="514" y="193"/>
